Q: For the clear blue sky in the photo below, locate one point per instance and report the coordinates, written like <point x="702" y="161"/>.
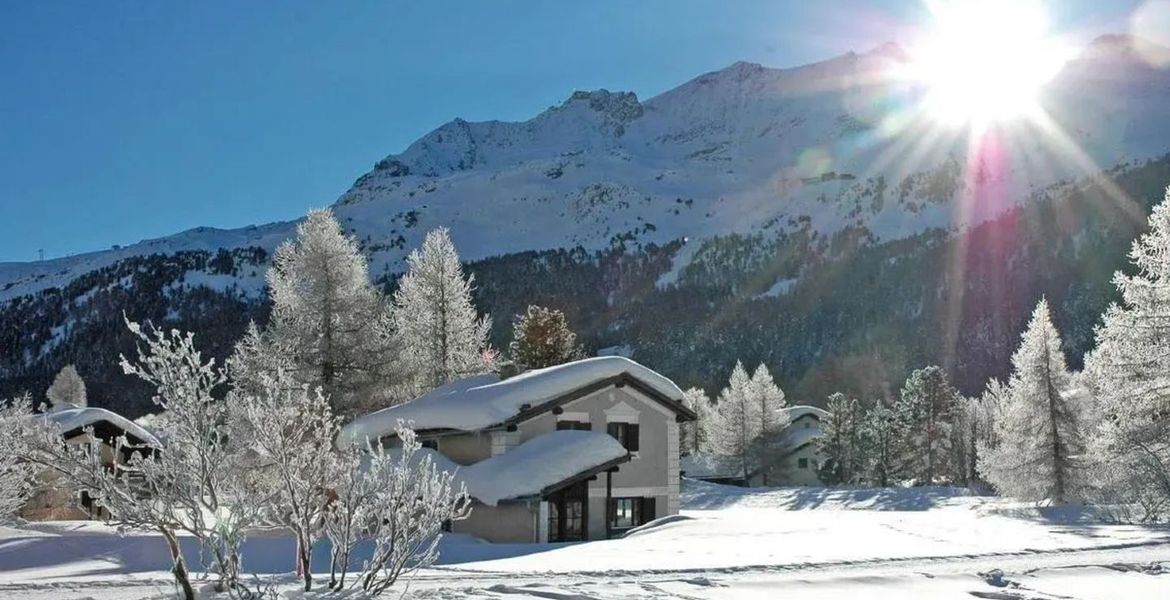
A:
<point x="121" y="121"/>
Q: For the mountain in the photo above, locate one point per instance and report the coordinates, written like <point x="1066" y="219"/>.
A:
<point x="808" y="218"/>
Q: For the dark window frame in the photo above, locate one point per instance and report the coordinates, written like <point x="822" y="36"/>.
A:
<point x="641" y="509"/>
<point x="628" y="434"/>
<point x="573" y="425"/>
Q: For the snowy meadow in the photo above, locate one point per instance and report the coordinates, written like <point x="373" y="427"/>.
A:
<point x="727" y="543"/>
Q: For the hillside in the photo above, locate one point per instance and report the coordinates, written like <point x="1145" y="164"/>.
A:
<point x="801" y="217"/>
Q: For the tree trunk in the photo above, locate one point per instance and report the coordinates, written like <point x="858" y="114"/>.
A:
<point x="1058" y="465"/>
<point x="305" y="550"/>
<point x="179" y="568"/>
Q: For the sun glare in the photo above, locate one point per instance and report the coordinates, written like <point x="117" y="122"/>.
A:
<point x="985" y="61"/>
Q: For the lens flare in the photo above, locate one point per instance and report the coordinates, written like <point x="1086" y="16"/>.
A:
<point x="985" y="61"/>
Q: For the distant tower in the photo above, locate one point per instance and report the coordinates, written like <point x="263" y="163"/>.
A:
<point x="41" y="253"/>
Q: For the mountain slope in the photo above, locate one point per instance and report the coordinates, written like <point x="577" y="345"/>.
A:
<point x="737" y="191"/>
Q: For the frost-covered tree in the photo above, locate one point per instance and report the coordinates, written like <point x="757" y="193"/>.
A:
<point x="330" y="325"/>
<point x="842" y="444"/>
<point x="973" y="425"/>
<point x="541" y="338"/>
<point x="199" y="484"/>
<point x="927" y="408"/>
<point x="407" y="513"/>
<point x="67" y="389"/>
<point x="764" y="391"/>
<point x="696" y="437"/>
<point x="1038" y="423"/>
<point x="441" y="336"/>
<point x="770" y="446"/>
<point x="1129" y="373"/>
<point x="738" y="419"/>
<point x="17" y="475"/>
<point x="883" y="433"/>
<point x="289" y="431"/>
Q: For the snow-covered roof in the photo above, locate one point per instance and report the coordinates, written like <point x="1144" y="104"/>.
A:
<point x="482" y="401"/>
<point x="539" y="463"/>
<point x="799" y="410"/>
<point x="75" y="418"/>
<point x="533" y="466"/>
<point x="710" y="466"/>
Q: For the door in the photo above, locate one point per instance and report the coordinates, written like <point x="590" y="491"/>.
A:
<point x="568" y="516"/>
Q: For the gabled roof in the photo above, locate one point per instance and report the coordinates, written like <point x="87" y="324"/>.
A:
<point x="542" y="465"/>
<point x="800" y="410"/>
<point x="535" y="468"/>
<point x="486" y="401"/>
<point x="71" y="421"/>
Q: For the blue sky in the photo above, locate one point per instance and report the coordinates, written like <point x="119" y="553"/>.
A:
<point x="121" y="121"/>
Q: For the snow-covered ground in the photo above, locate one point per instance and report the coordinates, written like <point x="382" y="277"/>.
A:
<point x="728" y="543"/>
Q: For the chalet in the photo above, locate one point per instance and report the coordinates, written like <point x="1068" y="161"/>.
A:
<point x="803" y="458"/>
<point x="799" y="466"/>
<point x="581" y="451"/>
<point x="78" y="425"/>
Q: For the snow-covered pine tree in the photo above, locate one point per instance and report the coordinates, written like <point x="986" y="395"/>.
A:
<point x="841" y="444"/>
<point x="1039" y="421"/>
<point x="696" y="437"/>
<point x="739" y="420"/>
<point x="882" y="431"/>
<point x="541" y="338"/>
<point x="927" y="408"/>
<point x="441" y="336"/>
<point x="67" y="389"/>
<point x="329" y="323"/>
<point x="769" y="449"/>
<point x="1129" y="373"/>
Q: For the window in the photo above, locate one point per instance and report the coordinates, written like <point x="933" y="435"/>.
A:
<point x="625" y="433"/>
<point x="432" y="444"/>
<point x="574" y="425"/>
<point x="802" y="463"/>
<point x="627" y="513"/>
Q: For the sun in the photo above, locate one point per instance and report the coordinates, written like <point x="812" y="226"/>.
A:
<point x="983" y="61"/>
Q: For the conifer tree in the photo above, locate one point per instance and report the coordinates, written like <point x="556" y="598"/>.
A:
<point x="67" y="389"/>
<point x="696" y="437"/>
<point x="441" y="336"/>
<point x="330" y="327"/>
<point x="842" y="442"/>
<point x="738" y="420"/>
<point x="541" y="338"/>
<point x="1038" y="424"/>
<point x="1129" y="372"/>
<point x="883" y="434"/>
<point x="927" y="408"/>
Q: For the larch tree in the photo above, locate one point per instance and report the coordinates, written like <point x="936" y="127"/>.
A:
<point x="441" y="336"/>
<point x="1038" y="424"/>
<point x="927" y="408"/>
<point x="541" y="338"/>
<point x="329" y="324"/>
<point x="739" y="420"/>
<point x="770" y="446"/>
<point x="695" y="437"/>
<point x="1129" y="375"/>
<point x="67" y="389"/>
